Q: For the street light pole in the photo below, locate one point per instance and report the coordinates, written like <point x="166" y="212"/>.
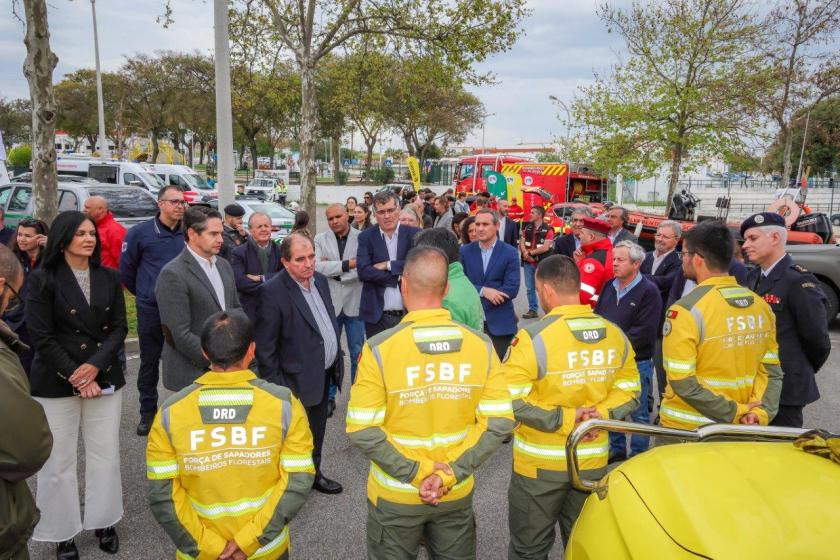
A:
<point x="483" y="123"/>
<point x="103" y="145"/>
<point x="224" y="118"/>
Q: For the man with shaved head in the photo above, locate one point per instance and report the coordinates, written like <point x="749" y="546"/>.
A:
<point x="111" y="232"/>
<point x="429" y="406"/>
<point x="335" y="258"/>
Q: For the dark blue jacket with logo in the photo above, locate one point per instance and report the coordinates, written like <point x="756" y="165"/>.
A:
<point x="146" y="249"/>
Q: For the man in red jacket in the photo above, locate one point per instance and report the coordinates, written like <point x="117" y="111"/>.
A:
<point x="594" y="259"/>
<point x="111" y="232"/>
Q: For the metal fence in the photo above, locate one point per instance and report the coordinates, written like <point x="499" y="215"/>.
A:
<point x="747" y="183"/>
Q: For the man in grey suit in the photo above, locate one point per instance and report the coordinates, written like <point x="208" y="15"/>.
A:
<point x="335" y="258"/>
<point x="617" y="217"/>
<point x="192" y="287"/>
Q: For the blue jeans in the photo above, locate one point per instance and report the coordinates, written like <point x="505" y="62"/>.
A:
<point x="530" y="269"/>
<point x="638" y="444"/>
<point x="354" y="328"/>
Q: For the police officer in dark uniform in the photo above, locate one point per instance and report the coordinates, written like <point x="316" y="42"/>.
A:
<point x="798" y="302"/>
<point x="233" y="232"/>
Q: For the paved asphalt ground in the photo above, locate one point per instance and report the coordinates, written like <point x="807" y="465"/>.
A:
<point x="333" y="527"/>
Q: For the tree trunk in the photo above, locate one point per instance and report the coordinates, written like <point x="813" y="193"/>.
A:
<point x="787" y="166"/>
<point x="241" y="156"/>
<point x="409" y="144"/>
<point x="253" y="146"/>
<point x="674" y="174"/>
<point x="200" y="152"/>
<point x="336" y="155"/>
<point x="92" y="142"/>
<point x="155" y="147"/>
<point x="369" y="144"/>
<point x="38" y="69"/>
<point x="308" y="135"/>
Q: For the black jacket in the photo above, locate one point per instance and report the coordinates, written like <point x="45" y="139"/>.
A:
<point x="565" y="245"/>
<point x="67" y="332"/>
<point x="795" y="296"/>
<point x="245" y="261"/>
<point x="665" y="273"/>
<point x="290" y="348"/>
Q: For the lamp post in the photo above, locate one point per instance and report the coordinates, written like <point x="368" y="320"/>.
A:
<point x="103" y="145"/>
<point x="224" y="118"/>
<point x="483" y="123"/>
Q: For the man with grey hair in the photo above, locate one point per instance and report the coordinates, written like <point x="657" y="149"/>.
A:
<point x="798" y="302"/>
<point x="570" y="243"/>
<point x="380" y="262"/>
<point x="632" y="302"/>
<point x="255" y="262"/>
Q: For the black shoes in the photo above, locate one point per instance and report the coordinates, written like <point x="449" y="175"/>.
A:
<point x="530" y="315"/>
<point x="67" y="551"/>
<point x="144" y="427"/>
<point x="330" y="408"/>
<point x="109" y="541"/>
<point x="326" y="486"/>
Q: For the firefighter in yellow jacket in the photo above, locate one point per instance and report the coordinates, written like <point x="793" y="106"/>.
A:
<point x="570" y="366"/>
<point x="429" y="405"/>
<point x="229" y="458"/>
<point x="719" y="343"/>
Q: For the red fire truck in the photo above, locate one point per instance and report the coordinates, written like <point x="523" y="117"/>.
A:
<point x="529" y="181"/>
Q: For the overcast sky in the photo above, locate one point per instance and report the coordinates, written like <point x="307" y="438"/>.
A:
<point x="564" y="42"/>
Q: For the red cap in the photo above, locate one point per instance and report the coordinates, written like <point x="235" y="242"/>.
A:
<point x="596" y="225"/>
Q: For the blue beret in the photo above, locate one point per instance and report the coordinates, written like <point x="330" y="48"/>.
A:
<point x="762" y="219"/>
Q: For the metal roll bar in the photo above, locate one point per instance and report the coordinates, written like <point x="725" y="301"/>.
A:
<point x="709" y="432"/>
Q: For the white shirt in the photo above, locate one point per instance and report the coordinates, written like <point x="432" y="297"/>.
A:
<point x="392" y="297"/>
<point x="212" y="271"/>
<point x="658" y="260"/>
<point x="502" y="224"/>
<point x="766" y="271"/>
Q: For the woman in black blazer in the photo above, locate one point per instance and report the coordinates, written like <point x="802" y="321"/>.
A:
<point x="75" y="313"/>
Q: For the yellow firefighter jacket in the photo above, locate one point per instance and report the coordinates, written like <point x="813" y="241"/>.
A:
<point x="720" y="354"/>
<point x="229" y="458"/>
<point x="429" y="390"/>
<point x="569" y="359"/>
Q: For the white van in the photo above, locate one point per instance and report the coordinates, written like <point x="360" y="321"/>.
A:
<point x="110" y="172"/>
<point x="185" y="177"/>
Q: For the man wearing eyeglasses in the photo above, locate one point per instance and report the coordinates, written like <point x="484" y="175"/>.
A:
<point x="379" y="261"/>
<point x="569" y="243"/>
<point x="147" y="248"/>
<point x="719" y="342"/>
<point x="661" y="266"/>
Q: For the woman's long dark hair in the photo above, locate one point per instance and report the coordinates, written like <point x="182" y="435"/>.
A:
<point x="465" y="230"/>
<point x="366" y="224"/>
<point x="40" y="227"/>
<point x="61" y="236"/>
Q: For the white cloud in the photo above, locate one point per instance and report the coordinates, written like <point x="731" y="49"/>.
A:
<point x="564" y="41"/>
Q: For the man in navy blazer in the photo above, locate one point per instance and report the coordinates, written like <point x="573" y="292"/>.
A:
<point x="493" y="268"/>
<point x="662" y="264"/>
<point x="570" y="243"/>
<point x="297" y="340"/>
<point x="508" y="229"/>
<point x="380" y="262"/>
<point x="250" y="269"/>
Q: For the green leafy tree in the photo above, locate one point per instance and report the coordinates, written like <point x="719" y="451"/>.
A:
<point x="681" y="95"/>
<point x="15" y="121"/>
<point x="75" y="97"/>
<point x="822" y="146"/>
<point x="20" y="156"/>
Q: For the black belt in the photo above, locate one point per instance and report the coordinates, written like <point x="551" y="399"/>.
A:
<point x="394" y="312"/>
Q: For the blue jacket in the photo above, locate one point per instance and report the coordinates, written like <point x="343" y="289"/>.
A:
<point x="147" y="248"/>
<point x="503" y="275"/>
<point x="637" y="313"/>
<point x="372" y="250"/>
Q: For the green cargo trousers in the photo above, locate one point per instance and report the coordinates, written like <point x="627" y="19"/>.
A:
<point x="535" y="507"/>
<point x="394" y="531"/>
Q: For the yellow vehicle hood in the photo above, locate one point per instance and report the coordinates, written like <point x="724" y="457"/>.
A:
<point x="741" y="500"/>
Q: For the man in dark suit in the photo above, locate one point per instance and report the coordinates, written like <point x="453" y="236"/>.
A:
<point x="617" y="217"/>
<point x="194" y="285"/>
<point x="297" y="340"/>
<point x="569" y="243"/>
<point x="661" y="266"/>
<point x="380" y="263"/>
<point x="493" y="268"/>
<point x="508" y="229"/>
<point x="255" y="262"/>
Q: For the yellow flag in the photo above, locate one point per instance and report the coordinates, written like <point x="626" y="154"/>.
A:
<point x="414" y="169"/>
